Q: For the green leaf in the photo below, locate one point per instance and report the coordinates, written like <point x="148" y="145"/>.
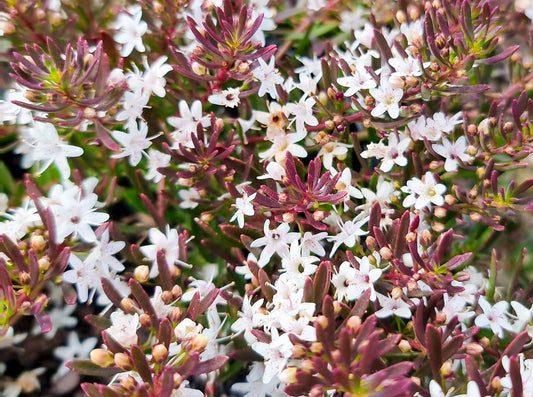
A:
<point x="87" y="367"/>
<point x="8" y="183"/>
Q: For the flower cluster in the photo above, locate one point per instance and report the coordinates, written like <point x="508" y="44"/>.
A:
<point x="265" y="198"/>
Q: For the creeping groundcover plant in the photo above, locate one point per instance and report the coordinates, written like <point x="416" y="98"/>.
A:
<point x="266" y="198"/>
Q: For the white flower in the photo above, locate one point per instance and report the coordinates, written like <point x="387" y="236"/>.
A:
<point x="284" y="143"/>
<point x="298" y="265"/>
<point x="348" y="235"/>
<point x="75" y="215"/>
<point x="359" y="80"/>
<point x="387" y="99"/>
<point x="494" y="316"/>
<point x="187" y="329"/>
<point x="22" y="219"/>
<point x="311" y="243"/>
<point x="152" y="80"/>
<point x="133" y="143"/>
<point x="130" y="30"/>
<point x="124" y="327"/>
<point x="303" y="113"/>
<point x="42" y="144"/>
<point x="132" y="106"/>
<point x="330" y="150"/>
<point x="273" y="171"/>
<point x="160" y="307"/>
<point x="276" y="354"/>
<point x="269" y="77"/>
<point x="391" y="306"/>
<point x="73" y="350"/>
<point x="244" y="207"/>
<point x="453" y="151"/>
<point x="423" y="193"/>
<point x="189" y="198"/>
<point x="526" y="373"/>
<point x="84" y="275"/>
<point x="352" y="282"/>
<point x="25" y="383"/>
<point x="275" y="241"/>
<point x="185" y="391"/>
<point x="254" y="385"/>
<point x="156" y="159"/>
<point x="249" y="318"/>
<point x="168" y="243"/>
<point x="188" y="120"/>
<point x="228" y="98"/>
<point x="391" y="154"/>
<point x="403" y="67"/>
<point x="275" y="119"/>
<point x="523" y="315"/>
<point x="102" y="254"/>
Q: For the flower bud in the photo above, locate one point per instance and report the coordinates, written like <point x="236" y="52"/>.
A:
<point x="438" y="227"/>
<point x="426" y="238"/>
<point x="404" y="346"/>
<point x="440" y="317"/>
<point x="89" y="113"/>
<point x="440" y="212"/>
<point x="288" y="217"/>
<point x="496" y="384"/>
<point x="323" y="321"/>
<point x="317" y="348"/>
<point x="198" y="69"/>
<point x="299" y="352"/>
<point x="288" y="375"/>
<point x="462" y="276"/>
<point x="175" y="315"/>
<point x="141" y="273"/>
<point x="145" y="320"/>
<point x="411" y="81"/>
<point x="354" y="323"/>
<point x="322" y="137"/>
<point x="410" y="237"/>
<point x="166" y="297"/>
<point x="101" y="357"/>
<point x="243" y="67"/>
<point x="7" y="27"/>
<point x="449" y="199"/>
<point x="197" y="343"/>
<point x="396" y="81"/>
<point x="44" y="263"/>
<point x="476" y="217"/>
<point x="176" y="292"/>
<point x="319" y="215"/>
<point x="24" y="278"/>
<point x="371" y="242"/>
<point x="317" y="391"/>
<point x="386" y="253"/>
<point x="122" y="360"/>
<point x="396" y="293"/>
<point x="206" y="217"/>
<point x="159" y="353"/>
<point x="446" y="369"/>
<point x="400" y="16"/>
<point x="37" y="243"/>
<point x="337" y="307"/>
<point x="128" y="305"/>
<point x="177" y="379"/>
<point x="307" y="366"/>
<point x="474" y="349"/>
